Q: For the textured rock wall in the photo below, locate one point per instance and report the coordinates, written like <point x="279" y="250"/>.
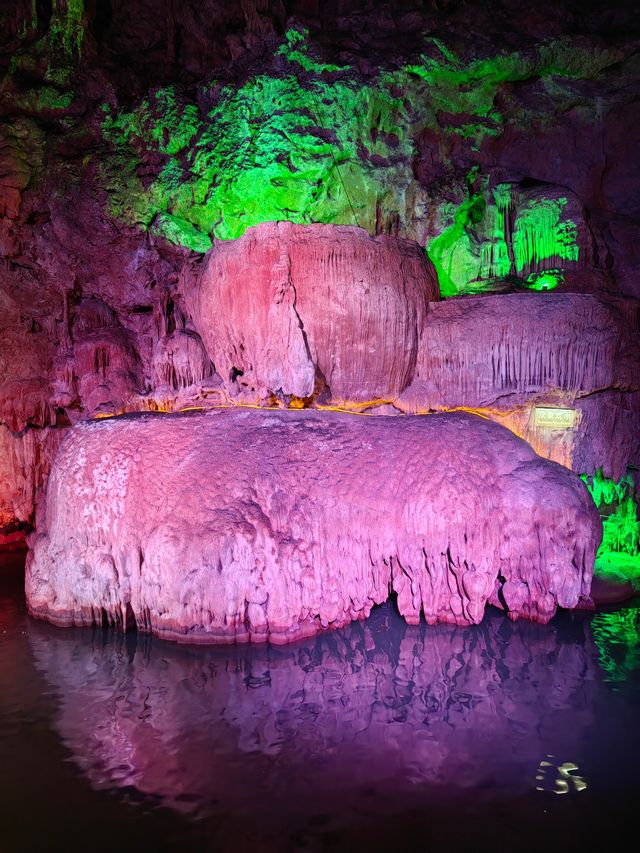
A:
<point x="515" y="347"/>
<point x="254" y="526"/>
<point x="534" y="237"/>
<point x="503" y="355"/>
<point x="305" y="315"/>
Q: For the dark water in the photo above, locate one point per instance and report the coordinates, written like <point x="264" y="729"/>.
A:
<point x="377" y="737"/>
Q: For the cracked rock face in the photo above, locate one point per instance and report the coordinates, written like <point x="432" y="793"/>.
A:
<point x="287" y="307"/>
<point x="248" y="526"/>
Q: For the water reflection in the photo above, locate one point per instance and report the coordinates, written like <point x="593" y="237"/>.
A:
<point x="376" y="712"/>
<point x="617" y="636"/>
<point x="561" y="779"/>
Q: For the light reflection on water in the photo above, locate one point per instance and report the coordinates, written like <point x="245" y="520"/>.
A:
<point x="378" y="704"/>
<point x="617" y="636"/>
<point x="378" y="718"/>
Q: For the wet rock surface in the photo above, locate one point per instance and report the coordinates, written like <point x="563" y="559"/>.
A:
<point x="273" y="526"/>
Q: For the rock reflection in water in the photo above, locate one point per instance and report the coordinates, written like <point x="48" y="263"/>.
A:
<point x="617" y="635"/>
<point x="378" y="709"/>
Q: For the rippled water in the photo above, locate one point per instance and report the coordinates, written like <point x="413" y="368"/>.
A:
<point x="379" y="737"/>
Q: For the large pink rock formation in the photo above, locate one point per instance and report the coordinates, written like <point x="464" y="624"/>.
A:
<point x="287" y="307"/>
<point x="86" y="278"/>
<point x="266" y="525"/>
<point x="322" y="312"/>
<point x="479" y="350"/>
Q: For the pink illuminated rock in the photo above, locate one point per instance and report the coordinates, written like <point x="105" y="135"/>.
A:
<point x="275" y="525"/>
<point x="24" y="402"/>
<point x="505" y="354"/>
<point x="25" y="461"/>
<point x="287" y="307"/>
<point x="482" y="349"/>
<point x="609" y="434"/>
<point x="180" y="361"/>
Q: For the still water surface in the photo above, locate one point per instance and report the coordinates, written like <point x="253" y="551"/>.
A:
<point x="377" y="737"/>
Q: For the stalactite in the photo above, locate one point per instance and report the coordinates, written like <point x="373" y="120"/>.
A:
<point x="541" y="239"/>
<point x="181" y="361"/>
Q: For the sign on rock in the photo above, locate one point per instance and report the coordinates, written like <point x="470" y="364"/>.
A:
<point x="553" y="418"/>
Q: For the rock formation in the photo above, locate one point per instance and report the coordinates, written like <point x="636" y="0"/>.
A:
<point x="504" y="355"/>
<point x="537" y="237"/>
<point x="255" y="526"/>
<point x="159" y="170"/>
<point x="290" y="309"/>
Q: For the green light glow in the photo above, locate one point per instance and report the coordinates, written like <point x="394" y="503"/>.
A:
<point x="66" y="29"/>
<point x="276" y="148"/>
<point x="495" y="234"/>
<point x="541" y="235"/>
<point x="619" y="552"/>
<point x="451" y="86"/>
<point x="180" y="232"/>
<point x="454" y="253"/>
<point x="545" y="281"/>
<point x="295" y="50"/>
<point x="313" y="143"/>
<point x="617" y="637"/>
<point x="45" y="99"/>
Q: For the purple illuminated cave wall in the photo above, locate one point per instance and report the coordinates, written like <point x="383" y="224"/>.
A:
<point x="458" y="229"/>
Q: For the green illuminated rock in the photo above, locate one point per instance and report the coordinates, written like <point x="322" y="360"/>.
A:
<point x="542" y="235"/>
<point x="311" y="141"/>
<point x="276" y="148"/>
<point x="619" y="553"/>
<point x="509" y="231"/>
<point x="66" y="29"/>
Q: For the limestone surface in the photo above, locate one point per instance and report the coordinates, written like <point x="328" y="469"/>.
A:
<point x="287" y="308"/>
<point x="273" y="526"/>
<point x="506" y="354"/>
<point x="485" y="348"/>
<point x="131" y="143"/>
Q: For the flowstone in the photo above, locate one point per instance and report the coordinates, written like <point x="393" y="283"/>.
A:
<point x="254" y="526"/>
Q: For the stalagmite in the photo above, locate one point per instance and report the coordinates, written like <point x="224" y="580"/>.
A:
<point x="180" y="361"/>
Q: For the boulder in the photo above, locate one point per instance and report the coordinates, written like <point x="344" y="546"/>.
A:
<point x="260" y="526"/>
<point x="288" y="308"/>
